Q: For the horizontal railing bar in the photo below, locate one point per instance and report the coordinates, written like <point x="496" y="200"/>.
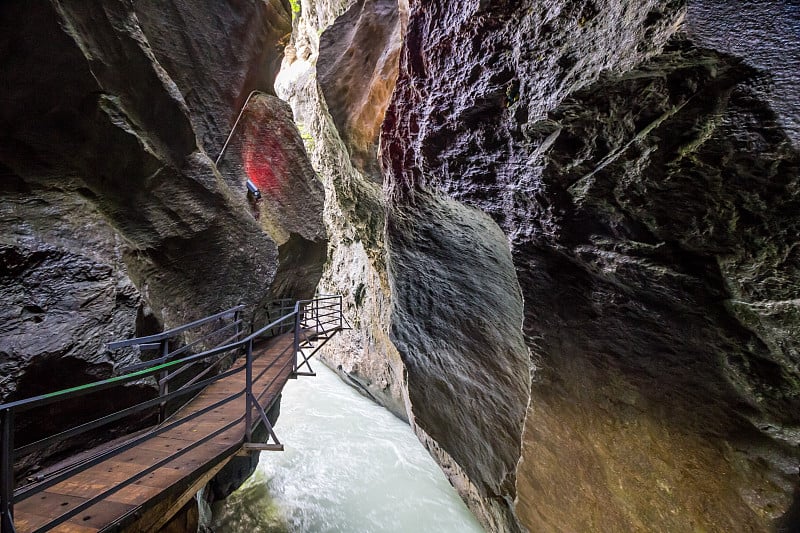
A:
<point x="326" y="314"/>
<point x="169" y="377"/>
<point x="96" y="386"/>
<point x="266" y="388"/>
<point x="172" y="332"/>
<point x="20" y="493"/>
<point x="269" y="366"/>
<point x="150" y="346"/>
<point x="266" y="328"/>
<point x="206" y="336"/>
<point x="99" y="422"/>
<point x="112" y="490"/>
<point x="321" y="298"/>
<point x="201" y="374"/>
<point x="167" y="357"/>
<point x="44" y="399"/>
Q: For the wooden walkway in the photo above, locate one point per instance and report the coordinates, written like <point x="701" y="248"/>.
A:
<point x="155" y="496"/>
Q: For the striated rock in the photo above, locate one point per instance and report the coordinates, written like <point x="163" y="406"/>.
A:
<point x="354" y="208"/>
<point x="456" y="311"/>
<point x="357" y="71"/>
<point x="216" y="53"/>
<point x="642" y="163"/>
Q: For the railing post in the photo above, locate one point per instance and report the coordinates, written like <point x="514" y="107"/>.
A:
<point x="296" y="338"/>
<point x="163" y="386"/>
<point x="237" y="329"/>
<point x="7" y="473"/>
<point x="248" y="395"/>
<point x="341" y="313"/>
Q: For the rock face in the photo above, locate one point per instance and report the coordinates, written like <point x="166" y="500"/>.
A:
<point x="455" y="320"/>
<point x="602" y="197"/>
<point x="639" y="167"/>
<point x="646" y="177"/>
<point x="340" y="142"/>
<point x="357" y="70"/>
<point x="116" y="220"/>
<point x="268" y="150"/>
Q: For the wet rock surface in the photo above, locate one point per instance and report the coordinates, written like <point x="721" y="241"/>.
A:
<point x="600" y="196"/>
<point x="115" y="219"/>
<point x="647" y="183"/>
<point x="53" y="282"/>
<point x="456" y="311"/>
<point x="356" y="71"/>
<point x="354" y="207"/>
<point x="267" y="149"/>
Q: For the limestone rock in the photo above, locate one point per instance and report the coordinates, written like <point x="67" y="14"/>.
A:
<point x="116" y="221"/>
<point x="357" y="71"/>
<point x="642" y="162"/>
<point x="267" y="149"/>
<point x="456" y="311"/>
<point x="354" y="208"/>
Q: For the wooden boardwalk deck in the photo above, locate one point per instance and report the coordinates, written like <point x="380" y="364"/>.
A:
<point x="149" y="502"/>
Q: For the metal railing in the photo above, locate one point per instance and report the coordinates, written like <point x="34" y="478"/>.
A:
<point x="309" y="319"/>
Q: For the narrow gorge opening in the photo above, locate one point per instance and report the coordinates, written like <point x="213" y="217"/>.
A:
<point x="564" y="234"/>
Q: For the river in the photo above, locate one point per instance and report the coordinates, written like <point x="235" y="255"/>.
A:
<point x="348" y="466"/>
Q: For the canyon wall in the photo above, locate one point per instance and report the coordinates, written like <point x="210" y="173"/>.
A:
<point x="116" y="220"/>
<point x="566" y="231"/>
<point x="600" y="196"/>
<point x="338" y="75"/>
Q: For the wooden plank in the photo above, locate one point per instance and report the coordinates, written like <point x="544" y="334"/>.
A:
<point x="197" y="465"/>
<point x="135" y="494"/>
<point x="99" y="515"/>
<point x="157" y="517"/>
<point x="30" y="522"/>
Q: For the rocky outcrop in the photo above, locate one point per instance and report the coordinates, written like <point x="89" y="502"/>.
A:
<point x="357" y="70"/>
<point x="268" y="150"/>
<point x="639" y="162"/>
<point x="65" y="293"/>
<point x="311" y="79"/>
<point x="645" y="173"/>
<point x="116" y="220"/>
<point x="456" y="312"/>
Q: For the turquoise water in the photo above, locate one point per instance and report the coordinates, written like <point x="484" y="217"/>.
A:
<point x="349" y="466"/>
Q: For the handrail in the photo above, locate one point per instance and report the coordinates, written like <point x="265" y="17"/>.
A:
<point x="81" y="390"/>
<point x="235" y="124"/>
<point x="304" y="312"/>
<point x="158" y="337"/>
<point x="251" y="187"/>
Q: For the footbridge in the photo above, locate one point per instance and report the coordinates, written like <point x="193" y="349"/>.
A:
<point x="211" y="406"/>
